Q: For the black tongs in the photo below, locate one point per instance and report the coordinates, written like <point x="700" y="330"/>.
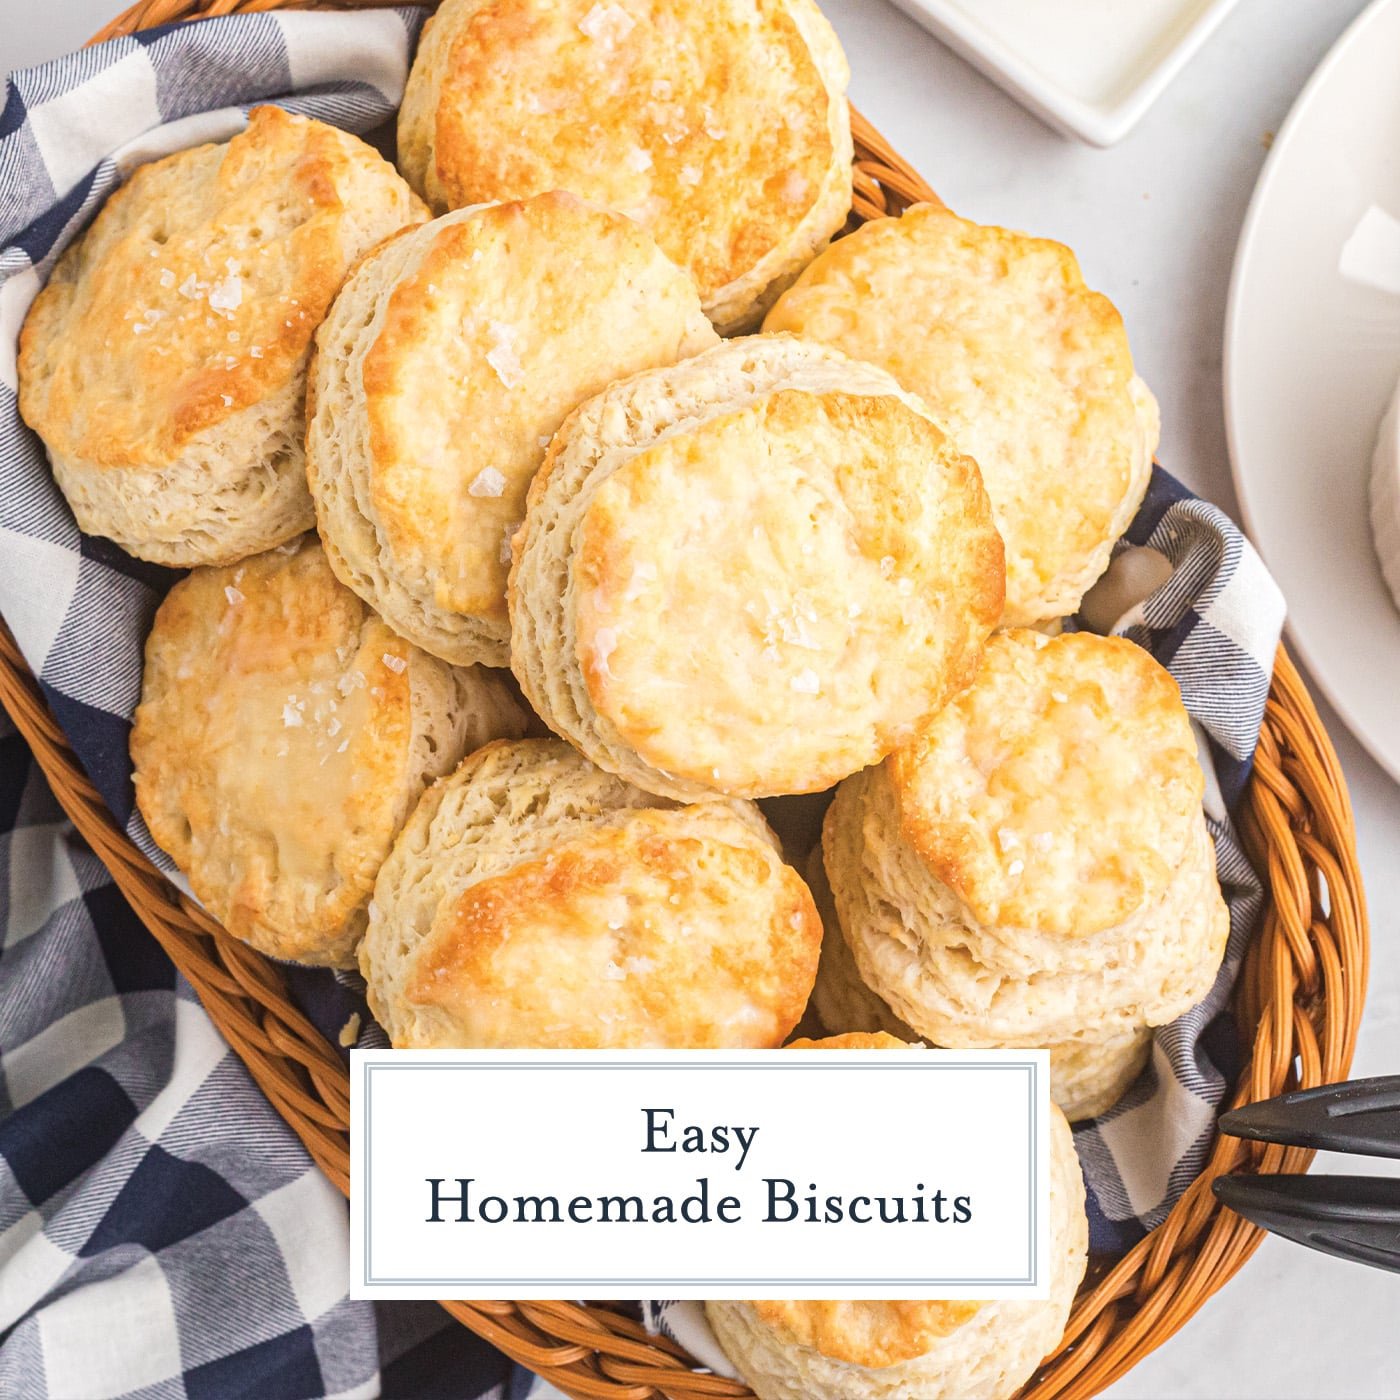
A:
<point x="1353" y="1217"/>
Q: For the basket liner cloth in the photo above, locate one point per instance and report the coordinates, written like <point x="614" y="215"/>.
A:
<point x="79" y="607"/>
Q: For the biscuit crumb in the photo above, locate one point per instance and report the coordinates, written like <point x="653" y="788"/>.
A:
<point x="350" y="1031"/>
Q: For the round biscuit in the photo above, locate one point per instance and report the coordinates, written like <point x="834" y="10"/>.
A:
<point x="1035" y="869"/>
<point x="283" y="735"/>
<point x="450" y="357"/>
<point x="533" y="900"/>
<point x="164" y="363"/>
<point x="751" y="573"/>
<point x="871" y="1350"/>
<point x="721" y="128"/>
<point x="1027" y="368"/>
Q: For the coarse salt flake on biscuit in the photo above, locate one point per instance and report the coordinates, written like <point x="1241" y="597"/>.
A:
<point x="751" y="573"/>
<point x="451" y="356"/>
<point x="536" y="901"/>
<point x="164" y="364"/>
<point x="722" y="128"/>
<point x="1027" y="368"/>
<point x="283" y="735"/>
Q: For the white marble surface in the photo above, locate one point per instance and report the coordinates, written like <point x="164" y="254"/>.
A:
<point x="1155" y="221"/>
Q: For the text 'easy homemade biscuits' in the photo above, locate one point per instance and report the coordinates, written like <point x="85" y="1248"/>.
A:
<point x="452" y="354"/>
<point x="833" y="1350"/>
<point x="1034" y="869"/>
<point x="1027" y="368"/>
<point x="164" y="364"/>
<point x="533" y="900"/>
<point x="283" y="736"/>
<point x="751" y="573"/>
<point x="722" y="128"/>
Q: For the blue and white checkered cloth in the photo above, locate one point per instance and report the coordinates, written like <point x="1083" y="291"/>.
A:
<point x="157" y="1164"/>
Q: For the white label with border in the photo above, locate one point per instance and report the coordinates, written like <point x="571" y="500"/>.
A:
<point x="589" y="1174"/>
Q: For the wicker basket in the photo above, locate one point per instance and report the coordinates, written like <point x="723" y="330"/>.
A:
<point x="1299" y="1001"/>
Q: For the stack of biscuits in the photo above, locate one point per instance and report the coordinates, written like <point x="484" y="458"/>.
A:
<point x="554" y="497"/>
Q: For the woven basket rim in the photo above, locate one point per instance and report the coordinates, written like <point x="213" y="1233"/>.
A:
<point x="1300" y="992"/>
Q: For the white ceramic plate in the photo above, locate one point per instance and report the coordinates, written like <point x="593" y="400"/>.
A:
<point x="1311" y="360"/>
<point x="1090" y="68"/>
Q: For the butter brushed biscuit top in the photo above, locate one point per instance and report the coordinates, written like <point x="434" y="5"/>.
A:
<point x="283" y="736"/>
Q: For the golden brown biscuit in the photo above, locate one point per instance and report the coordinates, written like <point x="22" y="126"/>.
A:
<point x="751" y="573"/>
<point x="283" y="736"/>
<point x="536" y="901"/>
<point x="164" y="364"/>
<point x="721" y="128"/>
<point x="451" y="356"/>
<point x="832" y="1350"/>
<point x="1027" y="368"/>
<point x="1034" y="869"/>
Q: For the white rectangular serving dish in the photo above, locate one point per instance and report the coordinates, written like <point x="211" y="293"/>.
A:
<point x="1089" y="68"/>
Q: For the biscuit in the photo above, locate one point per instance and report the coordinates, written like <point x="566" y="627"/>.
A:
<point x="1034" y="870"/>
<point x="721" y="128"/>
<point x="283" y="735"/>
<point x="751" y="573"/>
<point x="1027" y="369"/>
<point x="450" y="357"/>
<point x="536" y="901"/>
<point x="164" y="364"/>
<point x="835" y="1350"/>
